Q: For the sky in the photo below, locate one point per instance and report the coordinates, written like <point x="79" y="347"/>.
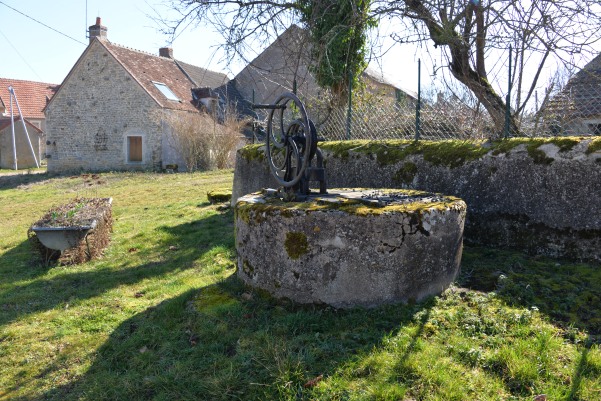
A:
<point x="34" y="52"/>
<point x="41" y="40"/>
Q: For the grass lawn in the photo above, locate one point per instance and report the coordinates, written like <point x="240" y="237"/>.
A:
<point x="162" y="316"/>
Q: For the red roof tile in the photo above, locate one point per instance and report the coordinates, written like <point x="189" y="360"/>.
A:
<point x="32" y="96"/>
<point x="147" y="68"/>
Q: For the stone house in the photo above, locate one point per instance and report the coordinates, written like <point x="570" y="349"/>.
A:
<point x="286" y="62"/>
<point x="104" y="116"/>
<point x="32" y="98"/>
<point x="576" y="109"/>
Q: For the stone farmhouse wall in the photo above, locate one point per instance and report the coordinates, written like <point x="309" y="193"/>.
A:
<point x="86" y="106"/>
<point x="538" y="195"/>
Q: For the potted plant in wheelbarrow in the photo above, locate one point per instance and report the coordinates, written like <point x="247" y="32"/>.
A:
<point x="74" y="232"/>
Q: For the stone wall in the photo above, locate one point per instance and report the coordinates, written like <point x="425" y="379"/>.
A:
<point x="90" y="117"/>
<point x="538" y="195"/>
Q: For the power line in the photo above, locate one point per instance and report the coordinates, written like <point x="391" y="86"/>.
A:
<point x="41" y="23"/>
<point x="20" y="55"/>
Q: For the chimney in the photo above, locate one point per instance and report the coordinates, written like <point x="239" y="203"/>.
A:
<point x="166" y="52"/>
<point x="97" y="31"/>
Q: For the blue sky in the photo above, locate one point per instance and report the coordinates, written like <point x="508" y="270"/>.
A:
<point x="31" y="51"/>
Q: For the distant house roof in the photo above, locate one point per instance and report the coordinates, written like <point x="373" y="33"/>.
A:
<point x="287" y="59"/>
<point x="168" y="81"/>
<point x="380" y="77"/>
<point x="581" y="97"/>
<point x="148" y="69"/>
<point x="32" y="96"/>
<point x="5" y="122"/>
<point x="203" y="77"/>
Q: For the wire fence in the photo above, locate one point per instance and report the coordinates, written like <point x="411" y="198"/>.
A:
<point x="574" y="110"/>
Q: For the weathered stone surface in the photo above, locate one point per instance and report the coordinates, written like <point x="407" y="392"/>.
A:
<point x="347" y="253"/>
<point x="537" y="195"/>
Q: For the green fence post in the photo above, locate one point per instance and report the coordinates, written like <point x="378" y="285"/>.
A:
<point x="508" y="99"/>
<point x="349" y="113"/>
<point x="419" y="100"/>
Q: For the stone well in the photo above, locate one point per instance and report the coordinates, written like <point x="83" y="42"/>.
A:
<point x="350" y="247"/>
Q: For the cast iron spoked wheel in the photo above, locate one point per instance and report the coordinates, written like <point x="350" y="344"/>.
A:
<point x="291" y="140"/>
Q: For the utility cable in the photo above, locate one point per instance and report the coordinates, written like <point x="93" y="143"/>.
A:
<point x="20" y="55"/>
<point x="41" y="23"/>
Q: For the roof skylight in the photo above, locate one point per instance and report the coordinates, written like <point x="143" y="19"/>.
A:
<point x="165" y="90"/>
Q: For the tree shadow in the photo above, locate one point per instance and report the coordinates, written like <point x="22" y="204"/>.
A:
<point x="222" y="342"/>
<point x="568" y="292"/>
<point x="14" y="181"/>
<point x="43" y="294"/>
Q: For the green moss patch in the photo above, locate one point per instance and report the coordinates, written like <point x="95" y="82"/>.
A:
<point x="257" y="213"/>
<point x="451" y="153"/>
<point x="296" y="244"/>
<point x="594" y="146"/>
<point x="219" y="196"/>
<point x="532" y="145"/>
<point x="406" y="173"/>
<point x="253" y="152"/>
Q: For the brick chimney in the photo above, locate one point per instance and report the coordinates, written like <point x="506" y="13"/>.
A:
<point x="166" y="52"/>
<point x="97" y="31"/>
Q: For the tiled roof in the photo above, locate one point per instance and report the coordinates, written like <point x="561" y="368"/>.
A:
<point x="203" y="77"/>
<point x="147" y="68"/>
<point x="232" y="96"/>
<point x="32" y="96"/>
<point x="581" y="97"/>
<point x="5" y="122"/>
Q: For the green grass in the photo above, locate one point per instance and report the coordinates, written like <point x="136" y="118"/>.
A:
<point x="162" y="315"/>
<point x="41" y="169"/>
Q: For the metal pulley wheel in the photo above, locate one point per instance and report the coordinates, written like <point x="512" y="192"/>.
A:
<point x="291" y="140"/>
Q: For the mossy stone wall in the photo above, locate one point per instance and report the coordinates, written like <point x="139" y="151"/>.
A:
<point x="541" y="195"/>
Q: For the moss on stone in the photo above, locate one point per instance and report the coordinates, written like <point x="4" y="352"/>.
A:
<point x="219" y="196"/>
<point x="450" y="153"/>
<point x="296" y="244"/>
<point x="253" y="152"/>
<point x="341" y="149"/>
<point x="532" y="145"/>
<point x="406" y="173"/>
<point x="594" y="146"/>
<point x="453" y="153"/>
<point x="259" y="212"/>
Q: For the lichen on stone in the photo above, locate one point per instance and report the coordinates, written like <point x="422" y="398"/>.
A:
<point x="296" y="244"/>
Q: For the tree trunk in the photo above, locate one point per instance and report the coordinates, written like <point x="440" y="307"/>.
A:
<point x="459" y="46"/>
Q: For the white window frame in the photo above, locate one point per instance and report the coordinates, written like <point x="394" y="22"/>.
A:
<point x="166" y="91"/>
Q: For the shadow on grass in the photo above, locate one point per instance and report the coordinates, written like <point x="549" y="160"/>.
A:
<point x="221" y="342"/>
<point x="38" y="293"/>
<point x="13" y="181"/>
<point x="566" y="291"/>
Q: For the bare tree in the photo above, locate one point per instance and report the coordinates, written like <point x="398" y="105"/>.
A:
<point x="202" y="141"/>
<point x="474" y="35"/>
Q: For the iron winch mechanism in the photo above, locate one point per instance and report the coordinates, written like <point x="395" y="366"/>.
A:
<point x="291" y="147"/>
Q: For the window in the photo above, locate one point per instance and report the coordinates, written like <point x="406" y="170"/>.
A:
<point x="168" y="93"/>
<point x="134" y="149"/>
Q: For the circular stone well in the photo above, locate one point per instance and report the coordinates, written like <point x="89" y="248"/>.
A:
<point x="350" y="247"/>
